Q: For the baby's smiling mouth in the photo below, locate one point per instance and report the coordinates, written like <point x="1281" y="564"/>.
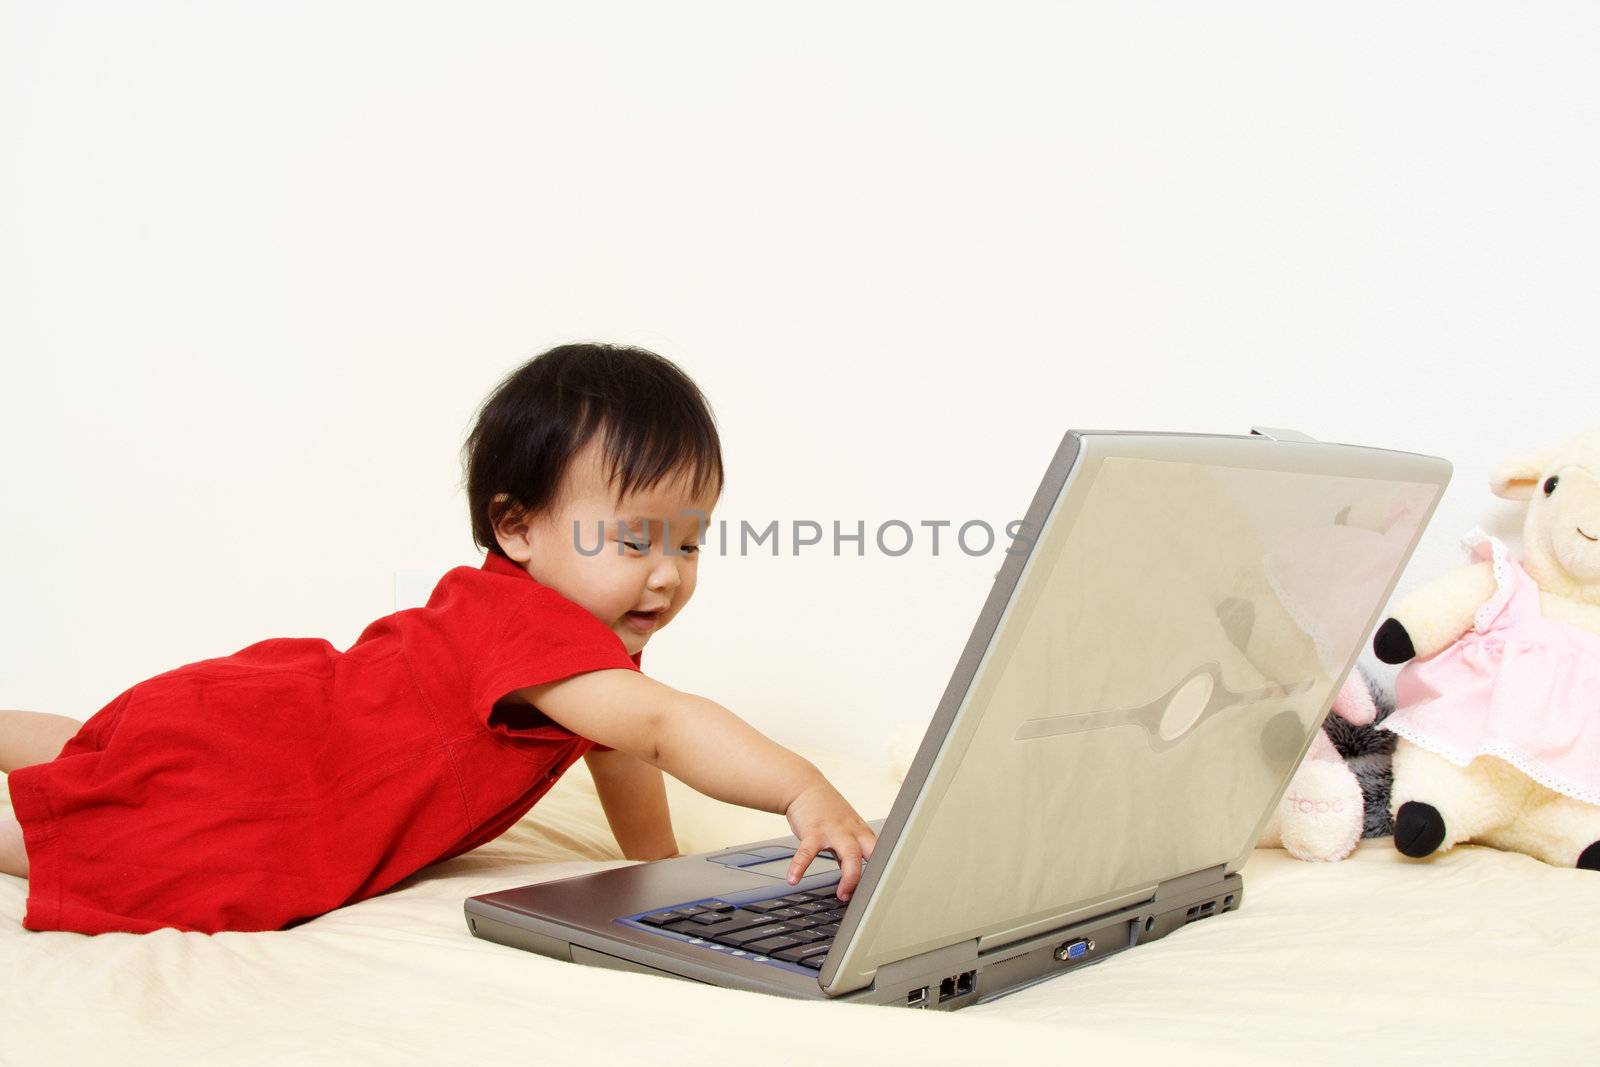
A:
<point x="644" y="621"/>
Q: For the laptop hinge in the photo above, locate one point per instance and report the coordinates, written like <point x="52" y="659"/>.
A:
<point x="1185" y="884"/>
<point x="913" y="970"/>
<point x="1084" y="912"/>
<point x="1172" y="889"/>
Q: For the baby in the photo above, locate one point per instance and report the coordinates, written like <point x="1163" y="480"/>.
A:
<point x="259" y="790"/>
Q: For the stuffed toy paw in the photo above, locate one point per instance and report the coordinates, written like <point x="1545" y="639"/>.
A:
<point x="1323" y="813"/>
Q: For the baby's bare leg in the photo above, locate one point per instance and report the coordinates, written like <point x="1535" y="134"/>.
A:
<point x="13" y="857"/>
<point x="29" y="737"/>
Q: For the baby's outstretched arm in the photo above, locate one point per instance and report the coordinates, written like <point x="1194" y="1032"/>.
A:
<point x="709" y="748"/>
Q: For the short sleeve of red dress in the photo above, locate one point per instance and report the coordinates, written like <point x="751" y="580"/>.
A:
<point x="545" y="639"/>
<point x="261" y="789"/>
<point x="516" y="753"/>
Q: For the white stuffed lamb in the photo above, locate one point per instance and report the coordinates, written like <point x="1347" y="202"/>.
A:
<point x="1498" y="710"/>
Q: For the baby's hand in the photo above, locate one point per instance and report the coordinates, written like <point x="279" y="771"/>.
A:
<point x="821" y="818"/>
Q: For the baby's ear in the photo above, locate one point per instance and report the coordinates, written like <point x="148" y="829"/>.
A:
<point x="511" y="522"/>
<point x="1516" y="479"/>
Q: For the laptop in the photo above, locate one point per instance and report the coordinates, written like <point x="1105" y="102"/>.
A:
<point x="1167" y="632"/>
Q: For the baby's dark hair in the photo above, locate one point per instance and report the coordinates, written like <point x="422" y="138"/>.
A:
<point x="651" y="417"/>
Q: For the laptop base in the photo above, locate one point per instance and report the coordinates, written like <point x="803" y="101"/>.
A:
<point x="944" y="979"/>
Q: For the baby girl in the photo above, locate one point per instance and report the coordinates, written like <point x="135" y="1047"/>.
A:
<point x="259" y="790"/>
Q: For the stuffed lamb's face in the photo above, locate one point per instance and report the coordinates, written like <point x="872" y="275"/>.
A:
<point x="1561" y="535"/>
<point x="1565" y="516"/>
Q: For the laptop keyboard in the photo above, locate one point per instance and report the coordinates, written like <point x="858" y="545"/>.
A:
<point x="797" y="928"/>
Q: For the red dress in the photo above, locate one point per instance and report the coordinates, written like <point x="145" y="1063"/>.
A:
<point x="255" y="791"/>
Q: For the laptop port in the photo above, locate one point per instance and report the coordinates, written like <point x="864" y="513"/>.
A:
<point x="917" y="997"/>
<point x="957" y="985"/>
<point x="1075" y="950"/>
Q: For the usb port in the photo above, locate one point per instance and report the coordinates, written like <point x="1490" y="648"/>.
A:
<point x="917" y="997"/>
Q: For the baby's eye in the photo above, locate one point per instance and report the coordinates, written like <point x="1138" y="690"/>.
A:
<point x="690" y="549"/>
<point x="637" y="546"/>
<point x="1550" y="485"/>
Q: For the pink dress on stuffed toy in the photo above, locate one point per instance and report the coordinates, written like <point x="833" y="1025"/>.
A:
<point x="1516" y="685"/>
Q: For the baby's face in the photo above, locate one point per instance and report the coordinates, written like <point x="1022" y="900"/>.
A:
<point x="639" y="580"/>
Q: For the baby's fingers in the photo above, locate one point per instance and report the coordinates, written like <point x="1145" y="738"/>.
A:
<point x="849" y="855"/>
<point x="802" y="859"/>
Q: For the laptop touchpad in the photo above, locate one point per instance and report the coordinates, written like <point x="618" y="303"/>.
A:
<point x="772" y="861"/>
<point x="780" y="868"/>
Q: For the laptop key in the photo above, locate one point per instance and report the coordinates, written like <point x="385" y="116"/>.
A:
<point x="772" y="944"/>
<point x="660" y="918"/>
<point x="793" y="955"/>
<point x="801" y="953"/>
<point x="764" y="905"/>
<point x="807" y="935"/>
<point x="775" y="929"/>
<point x="786" y="913"/>
<point x="709" y="917"/>
<point x="741" y="938"/>
<point x="739" y="920"/>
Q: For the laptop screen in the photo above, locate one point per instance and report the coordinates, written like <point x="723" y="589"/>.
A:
<point x="1155" y="678"/>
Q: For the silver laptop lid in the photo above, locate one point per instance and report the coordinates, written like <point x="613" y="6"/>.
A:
<point x="1148" y="670"/>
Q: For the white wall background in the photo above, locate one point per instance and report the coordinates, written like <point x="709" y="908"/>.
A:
<point x="260" y="263"/>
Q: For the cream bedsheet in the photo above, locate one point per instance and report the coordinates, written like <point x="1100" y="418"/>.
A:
<point x="1475" y="956"/>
